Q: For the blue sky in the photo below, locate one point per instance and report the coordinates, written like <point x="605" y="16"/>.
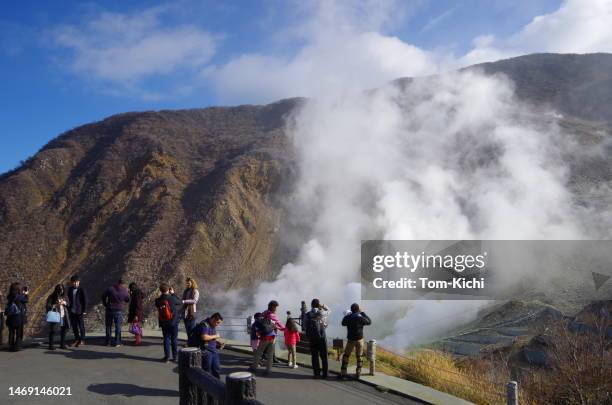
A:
<point x="64" y="64"/>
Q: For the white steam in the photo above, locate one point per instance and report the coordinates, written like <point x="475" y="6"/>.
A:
<point x="451" y="157"/>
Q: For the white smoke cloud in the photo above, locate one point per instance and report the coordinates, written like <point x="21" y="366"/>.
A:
<point x="349" y="44"/>
<point x="451" y="157"/>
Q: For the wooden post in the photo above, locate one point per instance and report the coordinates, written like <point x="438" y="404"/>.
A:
<point x="512" y="393"/>
<point x="211" y="390"/>
<point x="372" y="355"/>
<point x="238" y="387"/>
<point x="188" y="357"/>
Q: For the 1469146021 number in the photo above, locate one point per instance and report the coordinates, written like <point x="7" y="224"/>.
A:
<point x="40" y="391"/>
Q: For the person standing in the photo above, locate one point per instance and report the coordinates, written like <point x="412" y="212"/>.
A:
<point x="16" y="310"/>
<point x="315" y="325"/>
<point x="57" y="302"/>
<point x="169" y="307"/>
<point x="354" y="322"/>
<point x="267" y="328"/>
<point x="135" y="312"/>
<point x="77" y="305"/>
<point x="191" y="295"/>
<point x="114" y="299"/>
<point x="255" y="336"/>
<point x="210" y="343"/>
<point x="292" y="337"/>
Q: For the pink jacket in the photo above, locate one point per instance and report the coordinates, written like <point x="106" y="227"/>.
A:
<point x="274" y="317"/>
<point x="291" y="338"/>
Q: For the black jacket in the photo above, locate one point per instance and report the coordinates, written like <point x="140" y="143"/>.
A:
<point x="15" y="321"/>
<point x="79" y="305"/>
<point x="354" y="323"/>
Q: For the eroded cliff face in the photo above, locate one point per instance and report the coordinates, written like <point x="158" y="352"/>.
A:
<point x="149" y="197"/>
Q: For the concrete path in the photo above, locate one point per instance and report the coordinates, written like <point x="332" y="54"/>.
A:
<point x="134" y="375"/>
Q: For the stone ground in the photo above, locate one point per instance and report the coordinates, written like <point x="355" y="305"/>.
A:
<point x="100" y="375"/>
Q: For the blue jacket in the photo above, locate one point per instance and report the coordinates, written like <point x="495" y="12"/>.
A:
<point x="176" y="306"/>
<point x="15" y="321"/>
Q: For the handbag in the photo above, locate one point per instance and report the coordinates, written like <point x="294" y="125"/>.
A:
<point x="53" y="317"/>
<point x="135" y="329"/>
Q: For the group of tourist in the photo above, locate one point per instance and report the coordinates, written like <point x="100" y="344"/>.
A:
<point x="266" y="327"/>
<point x="67" y="307"/>
<point x="171" y="309"/>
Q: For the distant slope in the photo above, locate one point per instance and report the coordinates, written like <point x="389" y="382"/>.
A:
<point x="576" y="85"/>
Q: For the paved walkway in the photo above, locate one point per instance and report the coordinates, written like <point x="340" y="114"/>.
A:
<point x="98" y="374"/>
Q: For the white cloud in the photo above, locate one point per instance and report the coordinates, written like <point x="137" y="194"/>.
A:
<point x="578" y="26"/>
<point x="343" y="47"/>
<point x="331" y="45"/>
<point x="124" y="50"/>
<point x="362" y="60"/>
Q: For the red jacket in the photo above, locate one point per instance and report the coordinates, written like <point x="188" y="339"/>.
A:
<point x="291" y="338"/>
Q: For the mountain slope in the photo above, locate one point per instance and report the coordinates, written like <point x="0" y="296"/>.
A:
<point x="149" y="197"/>
<point x="164" y="195"/>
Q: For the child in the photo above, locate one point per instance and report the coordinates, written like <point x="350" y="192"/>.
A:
<point x="292" y="336"/>
<point x="254" y="334"/>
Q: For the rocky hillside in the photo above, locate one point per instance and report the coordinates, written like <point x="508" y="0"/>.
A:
<point x="148" y="197"/>
<point x="164" y="195"/>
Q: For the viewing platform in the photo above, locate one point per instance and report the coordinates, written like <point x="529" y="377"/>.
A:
<point x="98" y="374"/>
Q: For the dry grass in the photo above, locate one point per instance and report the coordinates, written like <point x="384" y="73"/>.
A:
<point x="444" y="373"/>
<point x="580" y="369"/>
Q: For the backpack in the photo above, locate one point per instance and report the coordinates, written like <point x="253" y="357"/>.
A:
<point x="164" y="310"/>
<point x="12" y="309"/>
<point x="265" y="326"/>
<point x="315" y="329"/>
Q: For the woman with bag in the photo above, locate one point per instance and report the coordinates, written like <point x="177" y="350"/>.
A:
<point x="57" y="315"/>
<point x="15" y="312"/>
<point x="191" y="296"/>
<point x="135" y="312"/>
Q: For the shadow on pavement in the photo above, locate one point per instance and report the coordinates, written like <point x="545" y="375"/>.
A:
<point x="231" y="363"/>
<point x="130" y="390"/>
<point x="101" y="341"/>
<point x="82" y="354"/>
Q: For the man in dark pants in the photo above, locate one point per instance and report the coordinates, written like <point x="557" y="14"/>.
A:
<point x="210" y="344"/>
<point x="114" y="300"/>
<point x="354" y="322"/>
<point x="169" y="309"/>
<point x="315" y="325"/>
<point x="77" y="305"/>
